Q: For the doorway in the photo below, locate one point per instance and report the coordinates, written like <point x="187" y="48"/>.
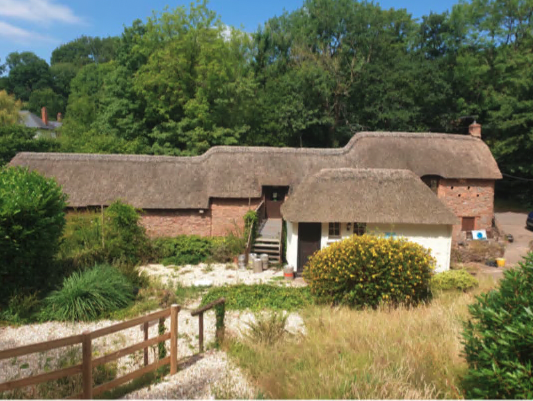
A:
<point x="308" y="242"/>
<point x="274" y="198"/>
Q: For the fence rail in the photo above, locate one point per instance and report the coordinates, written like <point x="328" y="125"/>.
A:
<point x="85" y="368"/>
<point x="200" y="313"/>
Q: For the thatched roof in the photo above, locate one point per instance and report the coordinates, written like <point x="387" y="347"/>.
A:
<point x="366" y="196"/>
<point x="160" y="182"/>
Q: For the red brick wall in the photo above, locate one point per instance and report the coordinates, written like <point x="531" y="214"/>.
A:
<point x="169" y="223"/>
<point x="227" y="213"/>
<point x="469" y="198"/>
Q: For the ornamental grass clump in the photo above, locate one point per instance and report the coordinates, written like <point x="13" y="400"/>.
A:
<point x="365" y="271"/>
<point x="88" y="295"/>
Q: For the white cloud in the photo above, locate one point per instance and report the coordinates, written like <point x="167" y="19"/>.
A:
<point x="20" y="35"/>
<point x="40" y="11"/>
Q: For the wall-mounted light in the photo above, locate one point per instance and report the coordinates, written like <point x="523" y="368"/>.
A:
<point x="201" y="211"/>
<point x="348" y="226"/>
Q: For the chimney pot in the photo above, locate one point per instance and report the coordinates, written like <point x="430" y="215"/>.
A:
<point x="44" y="115"/>
<point x="59" y="117"/>
<point x="475" y="130"/>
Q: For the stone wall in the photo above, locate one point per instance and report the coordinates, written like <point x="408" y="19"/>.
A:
<point x="227" y="214"/>
<point x="469" y="198"/>
<point x="169" y="223"/>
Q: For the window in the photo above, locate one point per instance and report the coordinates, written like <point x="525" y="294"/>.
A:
<point x="359" y="228"/>
<point x="468" y="223"/>
<point x="432" y="182"/>
<point x="334" y="230"/>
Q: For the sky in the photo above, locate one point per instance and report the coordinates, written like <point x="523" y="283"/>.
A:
<point x="42" y="25"/>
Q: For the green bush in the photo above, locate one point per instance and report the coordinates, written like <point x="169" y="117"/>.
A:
<point x="366" y="270"/>
<point x="497" y="339"/>
<point x="454" y="280"/>
<point x="88" y="295"/>
<point x="260" y="296"/>
<point x="251" y="219"/>
<point x="32" y="219"/>
<point x="183" y="249"/>
<point x="267" y="328"/>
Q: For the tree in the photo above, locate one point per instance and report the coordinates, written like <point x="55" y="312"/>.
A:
<point x="27" y="73"/>
<point x="86" y="50"/>
<point x="17" y="138"/>
<point x="9" y="109"/>
<point x="32" y="219"/>
<point x="46" y="97"/>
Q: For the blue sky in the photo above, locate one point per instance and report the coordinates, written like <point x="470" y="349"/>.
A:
<point x="41" y="25"/>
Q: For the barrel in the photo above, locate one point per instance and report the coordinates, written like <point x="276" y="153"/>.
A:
<point x="242" y="260"/>
<point x="288" y="272"/>
<point x="258" y="266"/>
<point x="500" y="262"/>
<point x="264" y="259"/>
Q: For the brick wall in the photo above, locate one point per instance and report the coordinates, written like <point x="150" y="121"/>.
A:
<point x="469" y="198"/>
<point x="227" y="213"/>
<point x="165" y="223"/>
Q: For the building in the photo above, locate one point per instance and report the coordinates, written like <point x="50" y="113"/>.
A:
<point x="209" y="194"/>
<point x="45" y="128"/>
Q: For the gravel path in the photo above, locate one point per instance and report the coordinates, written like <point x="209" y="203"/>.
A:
<point x="194" y="381"/>
<point x="216" y="274"/>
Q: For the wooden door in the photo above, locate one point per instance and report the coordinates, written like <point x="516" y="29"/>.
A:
<point x="308" y="242"/>
<point x="274" y="197"/>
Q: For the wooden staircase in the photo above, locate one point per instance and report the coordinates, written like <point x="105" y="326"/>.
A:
<point x="269" y="240"/>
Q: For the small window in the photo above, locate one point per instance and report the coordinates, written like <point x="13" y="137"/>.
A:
<point x="468" y="223"/>
<point x="334" y="230"/>
<point x="432" y="182"/>
<point x="359" y="228"/>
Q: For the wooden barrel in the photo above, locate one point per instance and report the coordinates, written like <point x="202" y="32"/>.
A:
<point x="288" y="273"/>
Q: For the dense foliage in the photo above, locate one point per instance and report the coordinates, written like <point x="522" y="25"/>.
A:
<point x="32" y="219"/>
<point x="16" y="138"/>
<point x="257" y="297"/>
<point x="88" y="295"/>
<point x="454" y="280"/>
<point x="497" y="339"/>
<point x="366" y="270"/>
<point x="183" y="249"/>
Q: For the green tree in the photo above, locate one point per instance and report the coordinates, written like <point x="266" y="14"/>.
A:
<point x="17" y="138"/>
<point x="86" y="50"/>
<point x="46" y="97"/>
<point x="32" y="218"/>
<point x="27" y="73"/>
<point x="9" y="109"/>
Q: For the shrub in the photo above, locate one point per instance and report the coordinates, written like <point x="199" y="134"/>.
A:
<point x="267" y="328"/>
<point x="477" y="251"/>
<point x="454" y="280"/>
<point x="88" y="295"/>
<point x="260" y="296"/>
<point x="20" y="309"/>
<point x="32" y="219"/>
<point x="183" y="249"/>
<point x="250" y="220"/>
<point x="497" y="339"/>
<point x="367" y="270"/>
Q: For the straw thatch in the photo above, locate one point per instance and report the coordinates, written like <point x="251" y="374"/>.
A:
<point x="159" y="182"/>
<point x="366" y="196"/>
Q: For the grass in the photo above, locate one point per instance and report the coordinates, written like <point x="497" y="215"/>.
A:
<point x="257" y="297"/>
<point x="373" y="354"/>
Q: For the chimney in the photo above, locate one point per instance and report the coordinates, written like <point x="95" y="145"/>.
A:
<point x="59" y="117"/>
<point x="44" y="115"/>
<point x="474" y="129"/>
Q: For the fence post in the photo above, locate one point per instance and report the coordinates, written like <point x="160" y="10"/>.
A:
<point x="87" y="369"/>
<point x="174" y="309"/>
<point x="201" y="330"/>
<point x="145" y="327"/>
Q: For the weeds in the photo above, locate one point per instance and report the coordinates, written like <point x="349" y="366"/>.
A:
<point x="266" y="328"/>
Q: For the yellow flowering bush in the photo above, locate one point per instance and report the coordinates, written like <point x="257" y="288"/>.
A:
<point x="367" y="270"/>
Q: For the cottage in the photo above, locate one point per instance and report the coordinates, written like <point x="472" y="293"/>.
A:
<point x="337" y="203"/>
<point x="208" y="194"/>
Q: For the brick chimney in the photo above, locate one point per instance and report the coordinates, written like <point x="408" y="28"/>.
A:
<point x="44" y="115"/>
<point x="474" y="129"/>
<point x="59" y="117"/>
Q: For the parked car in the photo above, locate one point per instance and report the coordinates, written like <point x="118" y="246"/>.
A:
<point x="529" y="221"/>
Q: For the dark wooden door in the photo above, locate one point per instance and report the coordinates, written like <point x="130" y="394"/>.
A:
<point x="274" y="197"/>
<point x="308" y="242"/>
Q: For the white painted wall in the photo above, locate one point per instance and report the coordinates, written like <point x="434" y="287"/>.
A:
<point x="437" y="238"/>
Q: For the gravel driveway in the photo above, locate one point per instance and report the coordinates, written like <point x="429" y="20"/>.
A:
<point x="515" y="224"/>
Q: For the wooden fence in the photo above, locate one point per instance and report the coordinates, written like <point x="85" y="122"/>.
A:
<point x="88" y="363"/>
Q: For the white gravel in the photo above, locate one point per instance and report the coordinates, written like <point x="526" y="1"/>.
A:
<point x="194" y="381"/>
<point x="217" y="274"/>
